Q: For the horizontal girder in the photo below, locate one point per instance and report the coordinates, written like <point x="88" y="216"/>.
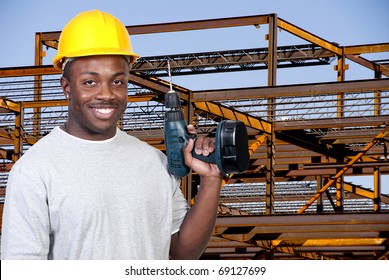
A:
<point x="232" y="60"/>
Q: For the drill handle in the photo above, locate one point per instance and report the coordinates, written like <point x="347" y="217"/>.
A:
<point x="209" y="159"/>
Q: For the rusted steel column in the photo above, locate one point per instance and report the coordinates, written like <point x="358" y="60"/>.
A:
<point x="270" y="145"/>
<point x="376" y="172"/>
<point x="272" y="45"/>
<point x="319" y="202"/>
<point x="340" y="68"/>
<point x="39" y="54"/>
<point x="270" y="176"/>
<point x="18" y="140"/>
<point x="339" y="194"/>
<point x="186" y="182"/>
<point x="377" y="189"/>
<point x="377" y="93"/>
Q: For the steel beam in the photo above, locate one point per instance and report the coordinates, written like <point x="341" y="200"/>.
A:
<point x="24" y="71"/>
<point x="7" y="106"/>
<point x="227" y="113"/>
<point x="179" y="26"/>
<point x="291" y="90"/>
<point x="294" y="223"/>
<point x="232" y="60"/>
<point x="369" y="48"/>
<point x="299" y="32"/>
<point x="332" y="123"/>
<point x="64" y="102"/>
<point x="369" y="64"/>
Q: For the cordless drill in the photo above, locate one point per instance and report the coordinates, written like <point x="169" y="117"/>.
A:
<point x="231" y="141"/>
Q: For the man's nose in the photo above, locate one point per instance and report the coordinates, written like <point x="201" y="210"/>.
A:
<point x="106" y="92"/>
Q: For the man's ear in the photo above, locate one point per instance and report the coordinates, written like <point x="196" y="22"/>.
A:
<point x="65" y="84"/>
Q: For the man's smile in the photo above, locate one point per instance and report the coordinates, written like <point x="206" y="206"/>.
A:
<point x="105" y="113"/>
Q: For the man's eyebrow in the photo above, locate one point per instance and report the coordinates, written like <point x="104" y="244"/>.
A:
<point x="97" y="74"/>
<point x="89" y="73"/>
<point x="119" y="73"/>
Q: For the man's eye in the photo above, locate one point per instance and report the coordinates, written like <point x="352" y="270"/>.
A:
<point x="90" y="82"/>
<point x="118" y="82"/>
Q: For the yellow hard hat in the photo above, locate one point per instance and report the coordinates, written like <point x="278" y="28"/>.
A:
<point x="93" y="33"/>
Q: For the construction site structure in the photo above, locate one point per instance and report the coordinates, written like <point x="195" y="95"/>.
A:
<point x="305" y="139"/>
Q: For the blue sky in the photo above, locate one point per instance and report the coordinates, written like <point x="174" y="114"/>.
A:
<point x="347" y="22"/>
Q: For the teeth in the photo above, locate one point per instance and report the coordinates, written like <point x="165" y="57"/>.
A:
<point x="104" y="110"/>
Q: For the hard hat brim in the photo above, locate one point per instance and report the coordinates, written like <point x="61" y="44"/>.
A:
<point x="59" y="59"/>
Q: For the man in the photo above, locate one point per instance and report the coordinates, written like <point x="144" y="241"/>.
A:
<point x="90" y="191"/>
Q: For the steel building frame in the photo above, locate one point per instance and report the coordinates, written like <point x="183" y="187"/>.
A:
<point x="293" y="202"/>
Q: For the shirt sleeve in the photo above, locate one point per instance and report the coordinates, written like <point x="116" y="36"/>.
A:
<point x="26" y="227"/>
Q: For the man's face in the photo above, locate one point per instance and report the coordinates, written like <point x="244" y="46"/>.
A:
<point x="97" y="93"/>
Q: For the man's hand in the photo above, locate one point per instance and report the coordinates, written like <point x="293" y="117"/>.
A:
<point x="203" y="146"/>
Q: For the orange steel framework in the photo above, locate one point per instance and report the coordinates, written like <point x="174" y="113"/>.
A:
<point x="293" y="202"/>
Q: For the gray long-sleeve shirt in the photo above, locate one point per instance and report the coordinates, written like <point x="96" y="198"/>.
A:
<point x="69" y="198"/>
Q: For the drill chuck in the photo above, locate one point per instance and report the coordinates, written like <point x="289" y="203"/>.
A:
<point x="172" y="100"/>
<point x="174" y="116"/>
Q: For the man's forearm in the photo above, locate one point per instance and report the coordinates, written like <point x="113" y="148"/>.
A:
<point x="196" y="229"/>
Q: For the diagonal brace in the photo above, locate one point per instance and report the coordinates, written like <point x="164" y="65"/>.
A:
<point x="228" y="113"/>
<point x="381" y="135"/>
